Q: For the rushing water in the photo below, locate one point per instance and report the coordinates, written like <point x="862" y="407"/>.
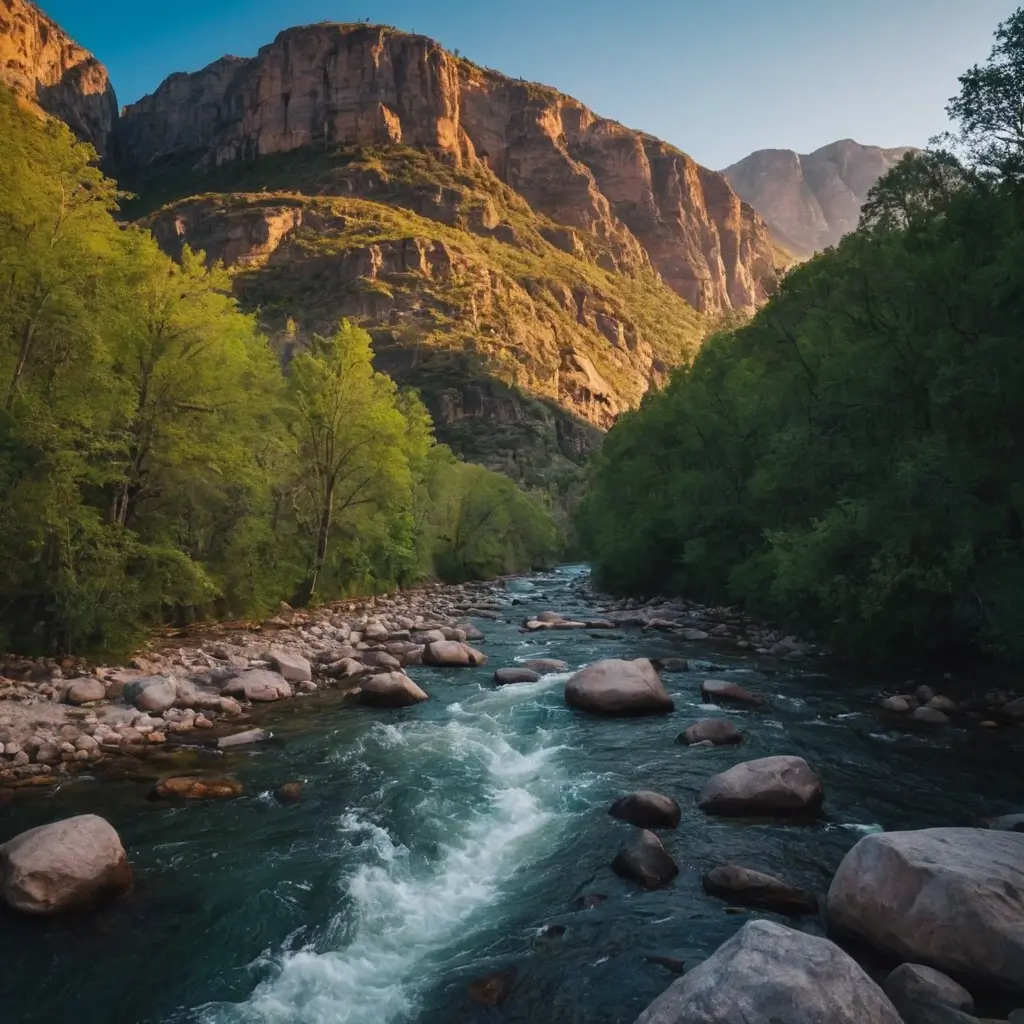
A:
<point x="437" y="844"/>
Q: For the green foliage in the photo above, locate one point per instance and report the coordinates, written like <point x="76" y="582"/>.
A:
<point x="155" y="463"/>
<point x="848" y="462"/>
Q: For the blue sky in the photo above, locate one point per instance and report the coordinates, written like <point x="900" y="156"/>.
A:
<point x="718" y="78"/>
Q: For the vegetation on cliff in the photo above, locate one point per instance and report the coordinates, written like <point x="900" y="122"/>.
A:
<point x="156" y="464"/>
<point x="850" y="459"/>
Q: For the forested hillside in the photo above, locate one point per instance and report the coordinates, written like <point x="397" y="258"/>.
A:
<point x="155" y="463"/>
<point x="850" y="460"/>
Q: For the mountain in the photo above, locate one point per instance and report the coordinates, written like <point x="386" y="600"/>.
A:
<point x="811" y="201"/>
<point x="54" y="75"/>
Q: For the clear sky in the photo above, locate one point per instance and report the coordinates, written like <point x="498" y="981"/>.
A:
<point x="718" y="78"/>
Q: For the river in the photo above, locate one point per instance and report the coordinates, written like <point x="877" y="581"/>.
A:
<point x="439" y="844"/>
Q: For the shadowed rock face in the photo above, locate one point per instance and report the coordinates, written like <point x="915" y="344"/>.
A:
<point x="52" y="74"/>
<point x="811" y="201"/>
<point x="330" y="85"/>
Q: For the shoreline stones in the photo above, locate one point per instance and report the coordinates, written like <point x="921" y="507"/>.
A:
<point x="767" y="786"/>
<point x="754" y="888"/>
<point x="646" y="809"/>
<point x="644" y="859"/>
<point x="949" y="897"/>
<point x="258" y="685"/>
<point x="618" y="688"/>
<point x="768" y="972"/>
<point x="70" y="865"/>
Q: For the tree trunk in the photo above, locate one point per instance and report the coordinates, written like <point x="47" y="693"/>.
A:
<point x="323" y="536"/>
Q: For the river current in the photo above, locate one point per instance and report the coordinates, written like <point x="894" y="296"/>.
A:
<point x="442" y="843"/>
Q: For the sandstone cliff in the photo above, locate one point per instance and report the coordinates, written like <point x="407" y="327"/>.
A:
<point x="811" y="201"/>
<point x="51" y="73"/>
<point x="645" y="203"/>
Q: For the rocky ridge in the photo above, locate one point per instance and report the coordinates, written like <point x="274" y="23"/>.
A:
<point x="811" y="200"/>
<point x="54" y="75"/>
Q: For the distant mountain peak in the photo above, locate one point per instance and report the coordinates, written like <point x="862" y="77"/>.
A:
<point x="811" y="200"/>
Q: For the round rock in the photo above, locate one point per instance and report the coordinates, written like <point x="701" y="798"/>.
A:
<point x="756" y="889"/>
<point x="722" y="690"/>
<point x="390" y="690"/>
<point x="718" y="731"/>
<point x="769" y="785"/>
<point x="505" y="676"/>
<point x="644" y="859"/>
<point x="646" y="809"/>
<point x="618" y="688"/>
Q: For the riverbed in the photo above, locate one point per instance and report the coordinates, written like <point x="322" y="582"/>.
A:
<point x="445" y="842"/>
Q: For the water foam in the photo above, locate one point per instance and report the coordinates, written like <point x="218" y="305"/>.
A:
<point x="407" y="913"/>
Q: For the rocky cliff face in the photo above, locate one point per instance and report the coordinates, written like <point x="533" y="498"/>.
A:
<point x="643" y="203"/>
<point x="811" y="201"/>
<point x="50" y="72"/>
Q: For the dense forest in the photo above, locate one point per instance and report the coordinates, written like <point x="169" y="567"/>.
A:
<point x="850" y="461"/>
<point x="156" y="464"/>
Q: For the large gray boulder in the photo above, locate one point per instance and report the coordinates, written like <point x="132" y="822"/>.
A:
<point x="73" y="864"/>
<point x="390" y="690"/>
<point x="153" y="694"/>
<point x="293" y="667"/>
<point x="952" y="898"/>
<point x="617" y="687"/>
<point x="769" y="785"/>
<point x="258" y="685"/>
<point x="768" y="973"/>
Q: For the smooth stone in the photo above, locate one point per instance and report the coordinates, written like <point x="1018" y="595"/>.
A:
<point x="941" y="703"/>
<point x="769" y="785"/>
<point x="196" y="787"/>
<point x="382" y="661"/>
<point x="289" y="792"/>
<point x="723" y="690"/>
<point x="156" y="697"/>
<point x="390" y="690"/>
<point x="506" y="676"/>
<point x="717" y="731"/>
<point x="743" y="885"/>
<point x="258" y="685"/>
<point x="952" y="898"/>
<point x="644" y="859"/>
<point x="616" y="687"/>
<point x="693" y="634"/>
<point x="768" y="973"/>
<point x="646" y="809"/>
<point x="293" y="667"/>
<point x="900" y="704"/>
<point x="70" y="865"/>
<point x="84" y="690"/>
<point x="929" y="716"/>
<point x="451" y="653"/>
<point x="240" y="739"/>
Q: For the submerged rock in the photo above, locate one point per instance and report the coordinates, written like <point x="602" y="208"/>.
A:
<point x="241" y="739"/>
<point x="289" y="792"/>
<point x="718" y="731"/>
<point x="546" y="666"/>
<point x="722" y="690"/>
<point x="617" y="687"/>
<point x="197" y="787"/>
<point x="647" y="810"/>
<point x="754" y="888"/>
<point x="769" y="785"/>
<point x="767" y="973"/>
<point x="506" y="676"/>
<point x="644" y="859"/>
<point x="949" y="897"/>
<point x="69" y="865"/>
<point x="492" y="990"/>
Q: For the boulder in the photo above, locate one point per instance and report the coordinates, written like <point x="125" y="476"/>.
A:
<point x="929" y="716"/>
<point x="289" y="793"/>
<point x="472" y="633"/>
<point x="690" y="633"/>
<point x="450" y="653"/>
<point x="769" y="973"/>
<point x="197" y="787"/>
<point x="84" y="690"/>
<point x="647" y="810"/>
<point x="911" y="985"/>
<point x="505" y="676"/>
<point x="940" y="703"/>
<point x="949" y="897"/>
<point x="719" y="731"/>
<point x="769" y="785"/>
<point x="258" y="685"/>
<point x="154" y="694"/>
<point x="722" y="690"/>
<point x="756" y="889"/>
<point x="381" y="660"/>
<point x="293" y="667"/>
<point x="900" y="704"/>
<point x="644" y="859"/>
<point x="390" y="690"/>
<point x="617" y="687"/>
<point x="73" y="864"/>
<point x="546" y="666"/>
